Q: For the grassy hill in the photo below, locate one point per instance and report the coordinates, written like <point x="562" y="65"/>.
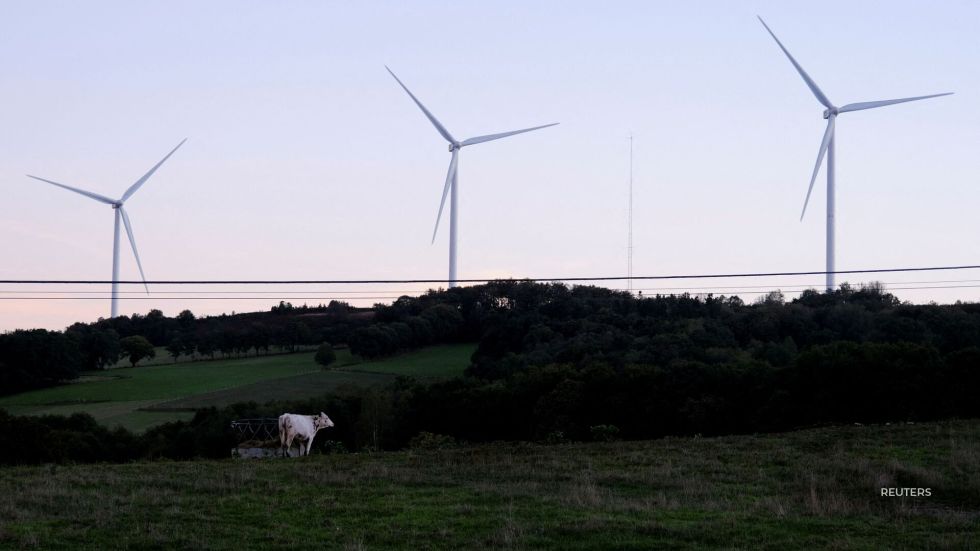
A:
<point x="141" y="397"/>
<point x="810" y="489"/>
<point x="162" y="357"/>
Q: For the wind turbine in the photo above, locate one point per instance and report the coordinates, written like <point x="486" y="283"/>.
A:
<point x="827" y="146"/>
<point x="120" y="212"/>
<point x="452" y="180"/>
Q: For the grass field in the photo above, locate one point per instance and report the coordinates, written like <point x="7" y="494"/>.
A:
<point x="437" y="361"/>
<point x="141" y="397"/>
<point x="162" y="357"/>
<point x="804" y="490"/>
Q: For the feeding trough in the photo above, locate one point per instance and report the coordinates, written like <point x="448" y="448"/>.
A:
<point x="257" y="438"/>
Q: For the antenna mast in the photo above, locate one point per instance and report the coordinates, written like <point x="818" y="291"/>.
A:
<point x="629" y="243"/>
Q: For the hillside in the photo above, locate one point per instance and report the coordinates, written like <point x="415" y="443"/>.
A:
<point x="818" y="488"/>
<point x="142" y="397"/>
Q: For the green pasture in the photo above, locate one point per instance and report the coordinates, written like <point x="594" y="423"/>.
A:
<point x="140" y="397"/>
<point x="306" y="385"/>
<point x="813" y="489"/>
<point x="162" y="357"/>
<point x="436" y="361"/>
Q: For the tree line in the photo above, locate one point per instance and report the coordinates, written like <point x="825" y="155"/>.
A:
<point x="31" y="359"/>
<point x="556" y="363"/>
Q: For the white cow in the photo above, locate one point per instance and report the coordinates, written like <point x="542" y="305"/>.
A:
<point x="302" y="428"/>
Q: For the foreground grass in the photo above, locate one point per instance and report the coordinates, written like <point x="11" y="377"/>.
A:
<point x="142" y="397"/>
<point x="810" y="489"/>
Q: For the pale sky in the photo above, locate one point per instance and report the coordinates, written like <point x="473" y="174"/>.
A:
<point x="305" y="160"/>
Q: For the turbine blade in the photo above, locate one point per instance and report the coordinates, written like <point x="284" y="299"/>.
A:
<point x="96" y="196"/>
<point x="873" y="104"/>
<point x="806" y="78"/>
<point x="491" y="137"/>
<point x="435" y="122"/>
<point x="132" y="189"/>
<point x="132" y="241"/>
<point x="450" y="177"/>
<point x="827" y="136"/>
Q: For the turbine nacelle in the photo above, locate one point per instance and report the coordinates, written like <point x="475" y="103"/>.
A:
<point x="453" y="146"/>
<point x="833" y="111"/>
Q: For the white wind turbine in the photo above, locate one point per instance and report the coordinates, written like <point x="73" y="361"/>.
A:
<point x="827" y="146"/>
<point x="452" y="181"/>
<point x="117" y="206"/>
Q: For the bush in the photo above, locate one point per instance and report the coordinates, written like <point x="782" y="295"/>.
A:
<point x="325" y="355"/>
<point x="604" y="433"/>
<point x="333" y="446"/>
<point x="58" y="439"/>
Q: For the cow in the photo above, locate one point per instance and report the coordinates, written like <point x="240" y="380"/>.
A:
<point x="302" y="429"/>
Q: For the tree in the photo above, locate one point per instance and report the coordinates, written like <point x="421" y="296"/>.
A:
<point x="186" y="320"/>
<point x="373" y="341"/>
<point x="137" y="348"/>
<point x="338" y="307"/>
<point x="189" y="340"/>
<point x="225" y="342"/>
<point x="261" y="337"/>
<point x="99" y="346"/>
<point x="155" y="326"/>
<point x="295" y="333"/>
<point x="36" y="358"/>
<point x="325" y="355"/>
<point x="205" y="346"/>
<point x="176" y="347"/>
<point x="445" y="320"/>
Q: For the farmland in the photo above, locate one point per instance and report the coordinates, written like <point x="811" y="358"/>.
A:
<point x="817" y="488"/>
<point x="138" y="398"/>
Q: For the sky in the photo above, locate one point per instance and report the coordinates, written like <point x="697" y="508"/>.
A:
<point x="305" y="160"/>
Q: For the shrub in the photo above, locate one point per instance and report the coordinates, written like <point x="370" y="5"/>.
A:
<point x="325" y="355"/>
<point x="556" y="437"/>
<point x="604" y="433"/>
<point x="58" y="439"/>
<point x="333" y="446"/>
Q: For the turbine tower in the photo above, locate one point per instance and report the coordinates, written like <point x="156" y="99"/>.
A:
<point x="120" y="212"/>
<point x="452" y="180"/>
<point x="827" y="146"/>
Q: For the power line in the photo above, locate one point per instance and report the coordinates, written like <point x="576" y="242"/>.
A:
<point x="801" y="286"/>
<point x="196" y="298"/>
<point x="395" y="293"/>
<point x="702" y="291"/>
<point x="483" y="280"/>
<point x="814" y="287"/>
<point x="277" y="293"/>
